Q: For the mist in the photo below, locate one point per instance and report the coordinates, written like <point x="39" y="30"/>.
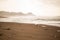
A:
<point x="37" y="7"/>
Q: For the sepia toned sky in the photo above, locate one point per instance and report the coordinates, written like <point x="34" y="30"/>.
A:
<point x="37" y="7"/>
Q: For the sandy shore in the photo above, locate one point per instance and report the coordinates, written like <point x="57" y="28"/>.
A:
<point x="25" y="31"/>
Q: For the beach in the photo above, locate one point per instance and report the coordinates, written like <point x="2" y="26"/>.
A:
<point x="25" y="31"/>
<point x="28" y="28"/>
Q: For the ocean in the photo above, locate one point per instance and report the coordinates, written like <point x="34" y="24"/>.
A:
<point x="30" y="20"/>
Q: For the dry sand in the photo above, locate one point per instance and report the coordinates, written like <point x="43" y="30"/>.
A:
<point x="23" y="31"/>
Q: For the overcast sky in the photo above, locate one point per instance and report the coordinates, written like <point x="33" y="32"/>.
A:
<point x="37" y="7"/>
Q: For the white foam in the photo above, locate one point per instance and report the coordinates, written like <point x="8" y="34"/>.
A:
<point x="29" y="20"/>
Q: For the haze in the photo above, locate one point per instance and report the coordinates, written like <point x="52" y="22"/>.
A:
<point x="37" y="7"/>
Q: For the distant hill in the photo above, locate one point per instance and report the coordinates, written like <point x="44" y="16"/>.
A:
<point x="6" y="14"/>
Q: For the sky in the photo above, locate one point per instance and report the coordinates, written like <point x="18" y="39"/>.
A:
<point x="37" y="7"/>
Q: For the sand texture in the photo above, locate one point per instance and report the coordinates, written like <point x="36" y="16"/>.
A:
<point x="23" y="31"/>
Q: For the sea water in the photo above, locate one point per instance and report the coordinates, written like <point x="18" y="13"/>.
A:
<point x="30" y="19"/>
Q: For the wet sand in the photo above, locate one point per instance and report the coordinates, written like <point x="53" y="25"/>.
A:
<point x="24" y="31"/>
<point x="2" y="17"/>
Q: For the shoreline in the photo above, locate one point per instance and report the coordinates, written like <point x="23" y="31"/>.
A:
<point x="25" y="31"/>
<point x="27" y="24"/>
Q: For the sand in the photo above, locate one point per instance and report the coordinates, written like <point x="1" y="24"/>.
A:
<point x="2" y="17"/>
<point x="25" y="31"/>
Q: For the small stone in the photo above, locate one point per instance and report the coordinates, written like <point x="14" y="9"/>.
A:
<point x="1" y="34"/>
<point x="45" y="29"/>
<point x="7" y="29"/>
